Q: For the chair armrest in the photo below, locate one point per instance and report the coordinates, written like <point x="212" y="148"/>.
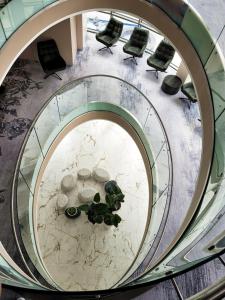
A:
<point x="100" y="33"/>
<point x="143" y="49"/>
<point x="168" y="63"/>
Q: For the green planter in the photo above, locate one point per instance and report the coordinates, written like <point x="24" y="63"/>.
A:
<point x="72" y="212"/>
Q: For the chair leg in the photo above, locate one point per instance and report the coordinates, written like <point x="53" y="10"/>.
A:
<point x="132" y="58"/>
<point x="186" y="99"/>
<point x="52" y="74"/>
<point x="47" y="75"/>
<point x="57" y="76"/>
<point x="110" y="50"/>
<point x="106" y="48"/>
<point x="103" y="48"/>
<point x="156" y="73"/>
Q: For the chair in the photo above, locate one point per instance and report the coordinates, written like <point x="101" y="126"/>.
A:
<point x="136" y="44"/>
<point x="189" y="91"/>
<point x="162" y="58"/>
<point x="50" y="58"/>
<point x="110" y="35"/>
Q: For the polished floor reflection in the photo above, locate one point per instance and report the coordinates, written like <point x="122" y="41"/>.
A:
<point x="77" y="254"/>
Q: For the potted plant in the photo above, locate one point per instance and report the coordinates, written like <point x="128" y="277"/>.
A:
<point x="98" y="212"/>
<point x="72" y="212"/>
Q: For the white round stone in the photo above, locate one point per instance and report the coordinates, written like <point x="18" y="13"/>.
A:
<point x="101" y="175"/>
<point x="87" y="195"/>
<point x="84" y="173"/>
<point x="62" y="201"/>
<point x="67" y="183"/>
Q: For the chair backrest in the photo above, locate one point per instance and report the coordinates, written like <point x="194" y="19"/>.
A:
<point x="114" y="28"/>
<point x="47" y="50"/>
<point x="165" y="51"/>
<point x="139" y="37"/>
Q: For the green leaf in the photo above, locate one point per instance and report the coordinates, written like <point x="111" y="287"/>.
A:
<point x="84" y="207"/>
<point x="97" y="198"/>
<point x="108" y="219"/>
<point x="98" y="219"/>
<point x="116" y="220"/>
<point x="109" y="200"/>
<point x="120" y="197"/>
<point x="100" y="208"/>
<point x="117" y="205"/>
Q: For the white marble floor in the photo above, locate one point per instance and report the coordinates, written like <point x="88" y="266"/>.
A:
<point x="79" y="255"/>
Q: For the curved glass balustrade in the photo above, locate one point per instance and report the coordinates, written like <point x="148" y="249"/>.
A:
<point x="79" y="97"/>
<point x="197" y="243"/>
<point x="206" y="227"/>
<point x="17" y="12"/>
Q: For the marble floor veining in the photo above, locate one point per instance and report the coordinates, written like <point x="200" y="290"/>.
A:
<point x="78" y="255"/>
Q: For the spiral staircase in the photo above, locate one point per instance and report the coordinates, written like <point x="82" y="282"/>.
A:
<point x="175" y="271"/>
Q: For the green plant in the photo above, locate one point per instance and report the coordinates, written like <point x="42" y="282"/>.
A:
<point x="98" y="212"/>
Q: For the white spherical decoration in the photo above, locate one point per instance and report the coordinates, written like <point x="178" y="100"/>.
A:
<point x="101" y="175"/>
<point x="67" y="183"/>
<point x="84" y="173"/>
<point x="87" y="195"/>
<point x="62" y="201"/>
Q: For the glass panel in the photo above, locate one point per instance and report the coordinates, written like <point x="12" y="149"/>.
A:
<point x="18" y="278"/>
<point x="161" y="194"/>
<point x="211" y="11"/>
<point x="32" y="153"/>
<point x="126" y="16"/>
<point x="97" y="20"/>
<point x="198" y="35"/>
<point x="2" y="36"/>
<point x="221" y="40"/>
<point x="71" y="98"/>
<point x="112" y="90"/>
<point x="16" y="12"/>
<point x="175" y="9"/>
<point x="47" y="2"/>
<point x="24" y="208"/>
<point x="46" y="123"/>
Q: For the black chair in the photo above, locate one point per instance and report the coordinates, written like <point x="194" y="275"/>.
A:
<point x="162" y="58"/>
<point x="189" y="91"/>
<point x="50" y="58"/>
<point x="136" y="44"/>
<point x="110" y="35"/>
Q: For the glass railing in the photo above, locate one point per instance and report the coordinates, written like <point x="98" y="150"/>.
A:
<point x="17" y="12"/>
<point x="204" y="237"/>
<point x="10" y="274"/>
<point x="79" y="97"/>
<point x="208" y="222"/>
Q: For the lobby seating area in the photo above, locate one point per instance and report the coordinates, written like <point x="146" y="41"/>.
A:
<point x="136" y="45"/>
